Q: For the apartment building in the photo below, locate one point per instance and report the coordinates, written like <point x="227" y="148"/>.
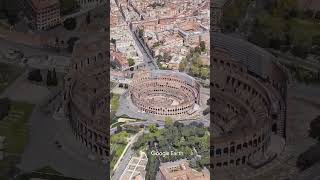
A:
<point x="42" y="14"/>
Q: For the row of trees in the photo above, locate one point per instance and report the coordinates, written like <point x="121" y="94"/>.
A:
<point x="152" y="166"/>
<point x="191" y="140"/>
<point x="51" y="80"/>
<point x="283" y="27"/>
<point x="198" y="69"/>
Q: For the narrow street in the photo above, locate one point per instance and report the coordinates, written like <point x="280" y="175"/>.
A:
<point x="147" y="57"/>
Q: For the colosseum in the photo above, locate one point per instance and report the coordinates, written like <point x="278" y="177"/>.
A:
<point x="85" y="98"/>
<point x="165" y="93"/>
<point x="248" y="105"/>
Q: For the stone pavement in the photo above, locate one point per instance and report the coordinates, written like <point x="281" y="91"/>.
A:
<point x="22" y="90"/>
<point x="136" y="166"/>
<point x="71" y="159"/>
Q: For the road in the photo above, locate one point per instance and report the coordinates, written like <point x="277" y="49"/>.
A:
<point x="287" y="59"/>
<point x="147" y="57"/>
<point x="29" y="50"/>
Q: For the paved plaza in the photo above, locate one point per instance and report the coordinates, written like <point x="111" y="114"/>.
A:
<point x="135" y="167"/>
<point x="71" y="159"/>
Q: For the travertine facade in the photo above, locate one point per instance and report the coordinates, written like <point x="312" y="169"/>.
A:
<point x="86" y="95"/>
<point x="165" y="93"/>
<point x="248" y="102"/>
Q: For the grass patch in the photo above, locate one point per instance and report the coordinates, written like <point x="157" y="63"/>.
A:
<point x="115" y="101"/>
<point x="118" y="143"/>
<point x="15" y="128"/>
<point x="119" y="150"/>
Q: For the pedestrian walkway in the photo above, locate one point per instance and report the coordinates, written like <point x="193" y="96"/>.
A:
<point x="136" y="166"/>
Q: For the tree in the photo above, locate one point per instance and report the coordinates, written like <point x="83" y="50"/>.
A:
<point x="204" y="72"/>
<point x="178" y="124"/>
<point x="113" y="41"/>
<point x="132" y="129"/>
<point x="49" y="78"/>
<point x="152" y="166"/>
<point x="4" y="107"/>
<point x="153" y="128"/>
<point x="159" y="58"/>
<point x="166" y="57"/>
<point x="120" y="138"/>
<point x="183" y="64"/>
<point x="202" y="46"/>
<point x="131" y="62"/>
<point x="197" y="50"/>
<point x="195" y="70"/>
<point x="119" y="129"/>
<point x="70" y="24"/>
<point x="168" y="121"/>
<point x="140" y="33"/>
<point x="35" y="75"/>
<point x="71" y="42"/>
<point x="54" y="78"/>
<point x="88" y="18"/>
<point x="314" y="131"/>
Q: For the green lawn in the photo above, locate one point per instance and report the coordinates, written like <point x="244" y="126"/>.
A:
<point x="119" y="149"/>
<point x="8" y="74"/>
<point x="118" y="143"/>
<point x="115" y="102"/>
<point x="15" y="128"/>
